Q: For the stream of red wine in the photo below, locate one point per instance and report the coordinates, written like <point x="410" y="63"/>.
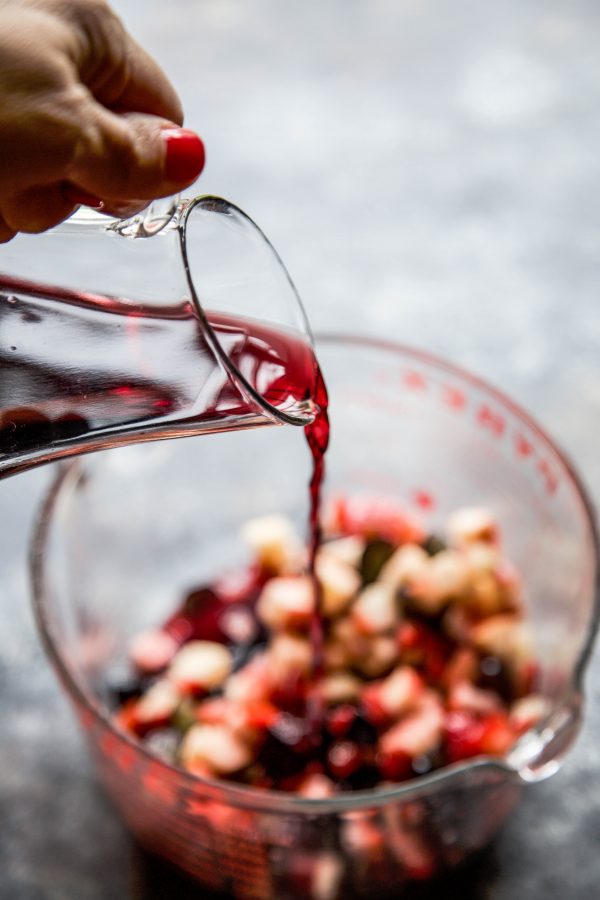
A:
<point x="317" y="436"/>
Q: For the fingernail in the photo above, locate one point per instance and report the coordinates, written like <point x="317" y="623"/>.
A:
<point x="81" y="198"/>
<point x="184" y="158"/>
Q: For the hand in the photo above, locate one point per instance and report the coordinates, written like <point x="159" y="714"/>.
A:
<point x="85" y="116"/>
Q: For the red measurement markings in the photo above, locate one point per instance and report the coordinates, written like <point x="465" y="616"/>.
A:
<point x="453" y="397"/>
<point x="156" y="784"/>
<point x="415" y="381"/>
<point x="424" y="500"/>
<point x="115" y="749"/>
<point x="549" y="476"/>
<point x="523" y="447"/>
<point x="491" y="420"/>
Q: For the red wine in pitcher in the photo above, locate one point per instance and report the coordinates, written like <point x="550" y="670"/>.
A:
<point x="79" y="371"/>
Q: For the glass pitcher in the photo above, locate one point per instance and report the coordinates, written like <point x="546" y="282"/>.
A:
<point x="179" y="320"/>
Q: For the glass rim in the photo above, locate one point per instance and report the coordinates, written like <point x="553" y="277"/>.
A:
<point x="219" y="204"/>
<point x="271" y="800"/>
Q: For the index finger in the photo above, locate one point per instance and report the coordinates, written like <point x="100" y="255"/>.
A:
<point x="145" y="87"/>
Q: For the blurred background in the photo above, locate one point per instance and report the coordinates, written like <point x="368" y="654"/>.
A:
<point x="430" y="173"/>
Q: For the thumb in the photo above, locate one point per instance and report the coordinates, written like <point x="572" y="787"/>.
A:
<point x="134" y="155"/>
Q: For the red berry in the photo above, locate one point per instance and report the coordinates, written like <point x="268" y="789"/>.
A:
<point x="409" y="637"/>
<point x="464" y="732"/>
<point x="394" y="766"/>
<point x="344" y="758"/>
<point x="290" y="695"/>
<point x="422" y="647"/>
<point x="199" y="619"/>
<point x="261" y="715"/>
<point x="340" y="719"/>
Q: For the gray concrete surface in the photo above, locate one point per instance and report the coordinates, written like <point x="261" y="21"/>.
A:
<point x="430" y="171"/>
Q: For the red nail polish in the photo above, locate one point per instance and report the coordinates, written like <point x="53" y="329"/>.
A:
<point x="184" y="158"/>
<point x="81" y="198"/>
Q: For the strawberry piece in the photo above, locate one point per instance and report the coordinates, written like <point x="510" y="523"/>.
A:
<point x="386" y="700"/>
<point x="372" y="706"/>
<point x="199" y="768"/>
<point x="261" y="715"/>
<point x="469" y="735"/>
<point x="498" y="734"/>
<point x="214" y="711"/>
<point x="248" y="720"/>
<point x="125" y="717"/>
<point x="462" y="666"/>
<point x="463" y="735"/>
<point x="372" y="518"/>
<point x="410" y="640"/>
<point x="252" y="683"/>
<point x="417" y="734"/>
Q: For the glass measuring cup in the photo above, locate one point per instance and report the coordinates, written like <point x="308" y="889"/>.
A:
<point x="180" y="320"/>
<point x="406" y="426"/>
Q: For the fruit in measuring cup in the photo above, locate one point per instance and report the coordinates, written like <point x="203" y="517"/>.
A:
<point x="426" y="660"/>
